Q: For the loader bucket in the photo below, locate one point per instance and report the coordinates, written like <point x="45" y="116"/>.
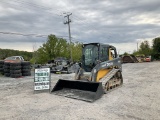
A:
<point x="78" y="89"/>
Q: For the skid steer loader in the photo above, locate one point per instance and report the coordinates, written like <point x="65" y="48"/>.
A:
<point x="99" y="73"/>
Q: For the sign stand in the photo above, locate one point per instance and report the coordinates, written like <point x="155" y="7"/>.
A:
<point x="42" y="79"/>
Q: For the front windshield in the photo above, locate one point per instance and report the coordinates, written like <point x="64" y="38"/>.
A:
<point x="90" y="54"/>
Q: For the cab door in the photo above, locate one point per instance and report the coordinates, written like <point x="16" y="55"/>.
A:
<point x="112" y="53"/>
<point x="103" y="56"/>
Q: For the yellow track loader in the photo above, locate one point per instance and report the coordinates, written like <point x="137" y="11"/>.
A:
<point x="99" y="73"/>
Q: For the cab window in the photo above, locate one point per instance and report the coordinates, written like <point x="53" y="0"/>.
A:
<point x="104" y="54"/>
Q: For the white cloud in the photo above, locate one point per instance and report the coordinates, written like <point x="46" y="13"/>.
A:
<point x="120" y="23"/>
<point x="125" y="47"/>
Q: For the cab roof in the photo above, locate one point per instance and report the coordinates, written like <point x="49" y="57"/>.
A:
<point x="101" y="44"/>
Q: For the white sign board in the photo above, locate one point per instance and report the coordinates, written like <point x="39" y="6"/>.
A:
<point x="42" y="79"/>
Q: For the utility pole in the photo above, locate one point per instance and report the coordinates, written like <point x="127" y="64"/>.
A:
<point x="69" y="31"/>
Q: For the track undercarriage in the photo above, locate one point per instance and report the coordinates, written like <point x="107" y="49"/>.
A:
<point x="113" y="82"/>
<point x="110" y="81"/>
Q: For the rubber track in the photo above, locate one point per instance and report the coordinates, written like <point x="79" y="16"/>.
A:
<point x="113" y="89"/>
<point x="109" y="77"/>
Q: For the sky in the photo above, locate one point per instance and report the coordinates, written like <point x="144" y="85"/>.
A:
<point x="25" y="24"/>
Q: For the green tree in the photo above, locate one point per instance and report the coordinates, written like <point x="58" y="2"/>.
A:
<point x="4" y="53"/>
<point x="54" y="47"/>
<point x="156" y="48"/>
<point x="126" y="53"/>
<point x="135" y="52"/>
<point x="42" y="55"/>
<point x="77" y="51"/>
<point x="57" y="47"/>
<point x="145" y="48"/>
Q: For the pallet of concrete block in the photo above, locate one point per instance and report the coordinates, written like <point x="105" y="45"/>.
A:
<point x="129" y="59"/>
<point x="26" y="68"/>
<point x="6" y="69"/>
<point x="15" y="69"/>
<point x="1" y="67"/>
<point x="12" y="69"/>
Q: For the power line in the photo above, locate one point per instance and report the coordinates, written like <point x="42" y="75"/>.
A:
<point x="21" y="5"/>
<point x="23" y="34"/>
<point x="84" y="22"/>
<point x="37" y="35"/>
<point x="44" y="8"/>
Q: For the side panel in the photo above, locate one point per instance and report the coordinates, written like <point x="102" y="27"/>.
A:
<point x="101" y="74"/>
<point x="105" y="65"/>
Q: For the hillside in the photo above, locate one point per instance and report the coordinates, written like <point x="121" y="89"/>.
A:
<point x="9" y="52"/>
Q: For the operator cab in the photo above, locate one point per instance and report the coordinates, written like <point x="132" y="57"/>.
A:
<point x="95" y="53"/>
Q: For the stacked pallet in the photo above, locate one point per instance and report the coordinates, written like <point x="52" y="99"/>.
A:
<point x="7" y="69"/>
<point x="26" y="68"/>
<point x="15" y="69"/>
<point x="1" y="67"/>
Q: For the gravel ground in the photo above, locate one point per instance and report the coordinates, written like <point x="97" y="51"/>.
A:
<point x="137" y="99"/>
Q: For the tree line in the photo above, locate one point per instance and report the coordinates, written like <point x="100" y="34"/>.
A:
<point x="4" y="53"/>
<point x="53" y="48"/>
<point x="57" y="47"/>
<point x="148" y="50"/>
